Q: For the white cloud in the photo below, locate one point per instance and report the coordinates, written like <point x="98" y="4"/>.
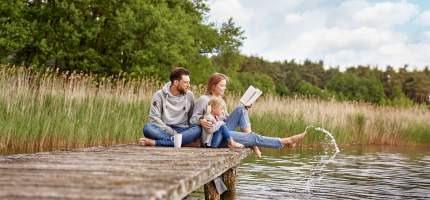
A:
<point x="395" y="54"/>
<point x="386" y="14"/>
<point x="426" y="36"/>
<point x="333" y="39"/>
<point x="342" y="15"/>
<point x="341" y="33"/>
<point x="293" y="18"/>
<point x="424" y="18"/>
<point x="222" y="10"/>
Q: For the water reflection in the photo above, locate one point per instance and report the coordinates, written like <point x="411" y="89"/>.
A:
<point x="356" y="173"/>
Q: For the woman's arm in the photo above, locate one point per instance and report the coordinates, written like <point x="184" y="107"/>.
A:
<point x="199" y="111"/>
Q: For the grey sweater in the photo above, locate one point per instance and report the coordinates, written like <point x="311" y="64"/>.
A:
<point x="167" y="109"/>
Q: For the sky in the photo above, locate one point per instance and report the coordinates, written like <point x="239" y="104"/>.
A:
<point x="342" y="33"/>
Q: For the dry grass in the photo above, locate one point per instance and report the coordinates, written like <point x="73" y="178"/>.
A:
<point x="357" y="123"/>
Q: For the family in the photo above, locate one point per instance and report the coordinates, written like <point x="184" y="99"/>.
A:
<point x="204" y="121"/>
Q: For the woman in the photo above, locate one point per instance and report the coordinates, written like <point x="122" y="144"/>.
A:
<point x="238" y="118"/>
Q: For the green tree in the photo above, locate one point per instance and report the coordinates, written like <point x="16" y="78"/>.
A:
<point x="228" y="59"/>
<point x="259" y="80"/>
<point x="308" y="90"/>
<point x="138" y="37"/>
<point x="15" y="30"/>
<point x="282" y="89"/>
<point x="349" y="86"/>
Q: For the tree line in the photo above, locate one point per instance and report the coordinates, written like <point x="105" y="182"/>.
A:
<point x="150" y="37"/>
<point x="402" y="87"/>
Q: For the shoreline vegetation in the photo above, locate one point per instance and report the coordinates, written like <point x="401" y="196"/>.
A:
<point x="49" y="110"/>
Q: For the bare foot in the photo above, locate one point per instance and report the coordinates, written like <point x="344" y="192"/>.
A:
<point x="146" y="142"/>
<point x="234" y="144"/>
<point x="293" y="140"/>
<point x="256" y="151"/>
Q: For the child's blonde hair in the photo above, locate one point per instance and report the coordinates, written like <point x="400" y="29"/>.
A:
<point x="214" y="102"/>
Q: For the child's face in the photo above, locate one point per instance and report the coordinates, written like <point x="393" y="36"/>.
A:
<point x="217" y="110"/>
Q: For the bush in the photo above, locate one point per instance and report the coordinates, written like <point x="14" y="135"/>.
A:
<point x="282" y="89"/>
<point x="308" y="90"/>
<point x="351" y="87"/>
<point x="259" y="80"/>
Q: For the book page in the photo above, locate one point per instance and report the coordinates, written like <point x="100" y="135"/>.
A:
<point x="247" y="96"/>
<point x="250" y="96"/>
<point x="254" y="97"/>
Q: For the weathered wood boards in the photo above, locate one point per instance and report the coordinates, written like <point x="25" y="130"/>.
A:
<point x="119" y="172"/>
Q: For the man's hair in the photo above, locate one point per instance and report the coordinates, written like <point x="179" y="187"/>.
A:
<point x="177" y="73"/>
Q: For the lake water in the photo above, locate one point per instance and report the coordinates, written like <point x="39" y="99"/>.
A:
<point x="370" y="172"/>
<point x="354" y="173"/>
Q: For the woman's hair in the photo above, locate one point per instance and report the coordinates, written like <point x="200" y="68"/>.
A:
<point x="215" y="102"/>
<point x="214" y="79"/>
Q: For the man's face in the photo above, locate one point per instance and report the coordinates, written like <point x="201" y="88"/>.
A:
<point x="184" y="84"/>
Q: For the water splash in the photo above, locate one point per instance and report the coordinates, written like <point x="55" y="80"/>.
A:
<point x="327" y="133"/>
<point x="317" y="171"/>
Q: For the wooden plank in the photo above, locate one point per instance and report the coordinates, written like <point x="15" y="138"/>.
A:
<point x="118" y="172"/>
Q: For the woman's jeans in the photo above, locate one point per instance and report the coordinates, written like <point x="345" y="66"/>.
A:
<point x="162" y="138"/>
<point x="239" y="118"/>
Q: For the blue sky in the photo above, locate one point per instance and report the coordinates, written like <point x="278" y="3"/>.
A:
<point x="341" y="33"/>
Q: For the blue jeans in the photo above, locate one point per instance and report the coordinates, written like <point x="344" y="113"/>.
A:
<point x="162" y="138"/>
<point x="239" y="118"/>
<point x="222" y="135"/>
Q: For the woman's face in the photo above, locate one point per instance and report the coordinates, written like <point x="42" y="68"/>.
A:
<point x="219" y="88"/>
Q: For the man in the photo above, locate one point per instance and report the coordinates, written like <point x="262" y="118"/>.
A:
<point x="171" y="109"/>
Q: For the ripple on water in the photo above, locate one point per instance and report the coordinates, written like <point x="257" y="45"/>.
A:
<point x="352" y="175"/>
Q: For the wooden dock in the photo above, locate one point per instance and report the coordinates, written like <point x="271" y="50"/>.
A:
<point x="118" y="172"/>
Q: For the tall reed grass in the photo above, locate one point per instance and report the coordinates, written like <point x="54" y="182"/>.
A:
<point x="350" y="123"/>
<point x="48" y="110"/>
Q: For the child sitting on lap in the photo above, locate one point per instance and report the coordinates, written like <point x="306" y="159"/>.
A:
<point x="219" y="132"/>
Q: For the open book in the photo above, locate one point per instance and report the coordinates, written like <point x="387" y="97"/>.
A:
<point x="250" y="96"/>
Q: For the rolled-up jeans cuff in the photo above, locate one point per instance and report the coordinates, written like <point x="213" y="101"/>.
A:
<point x="282" y="144"/>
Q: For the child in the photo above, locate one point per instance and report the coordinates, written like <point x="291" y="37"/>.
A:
<point x="214" y="136"/>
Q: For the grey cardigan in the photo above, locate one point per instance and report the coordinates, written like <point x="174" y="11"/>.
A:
<point x="200" y="107"/>
<point x="199" y="112"/>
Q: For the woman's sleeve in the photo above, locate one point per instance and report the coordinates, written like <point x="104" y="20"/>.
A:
<point x="198" y="111"/>
<point x="225" y="115"/>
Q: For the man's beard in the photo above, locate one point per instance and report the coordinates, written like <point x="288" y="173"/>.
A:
<point x="182" y="91"/>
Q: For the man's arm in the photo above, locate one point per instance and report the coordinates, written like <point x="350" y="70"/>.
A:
<point x="155" y="114"/>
